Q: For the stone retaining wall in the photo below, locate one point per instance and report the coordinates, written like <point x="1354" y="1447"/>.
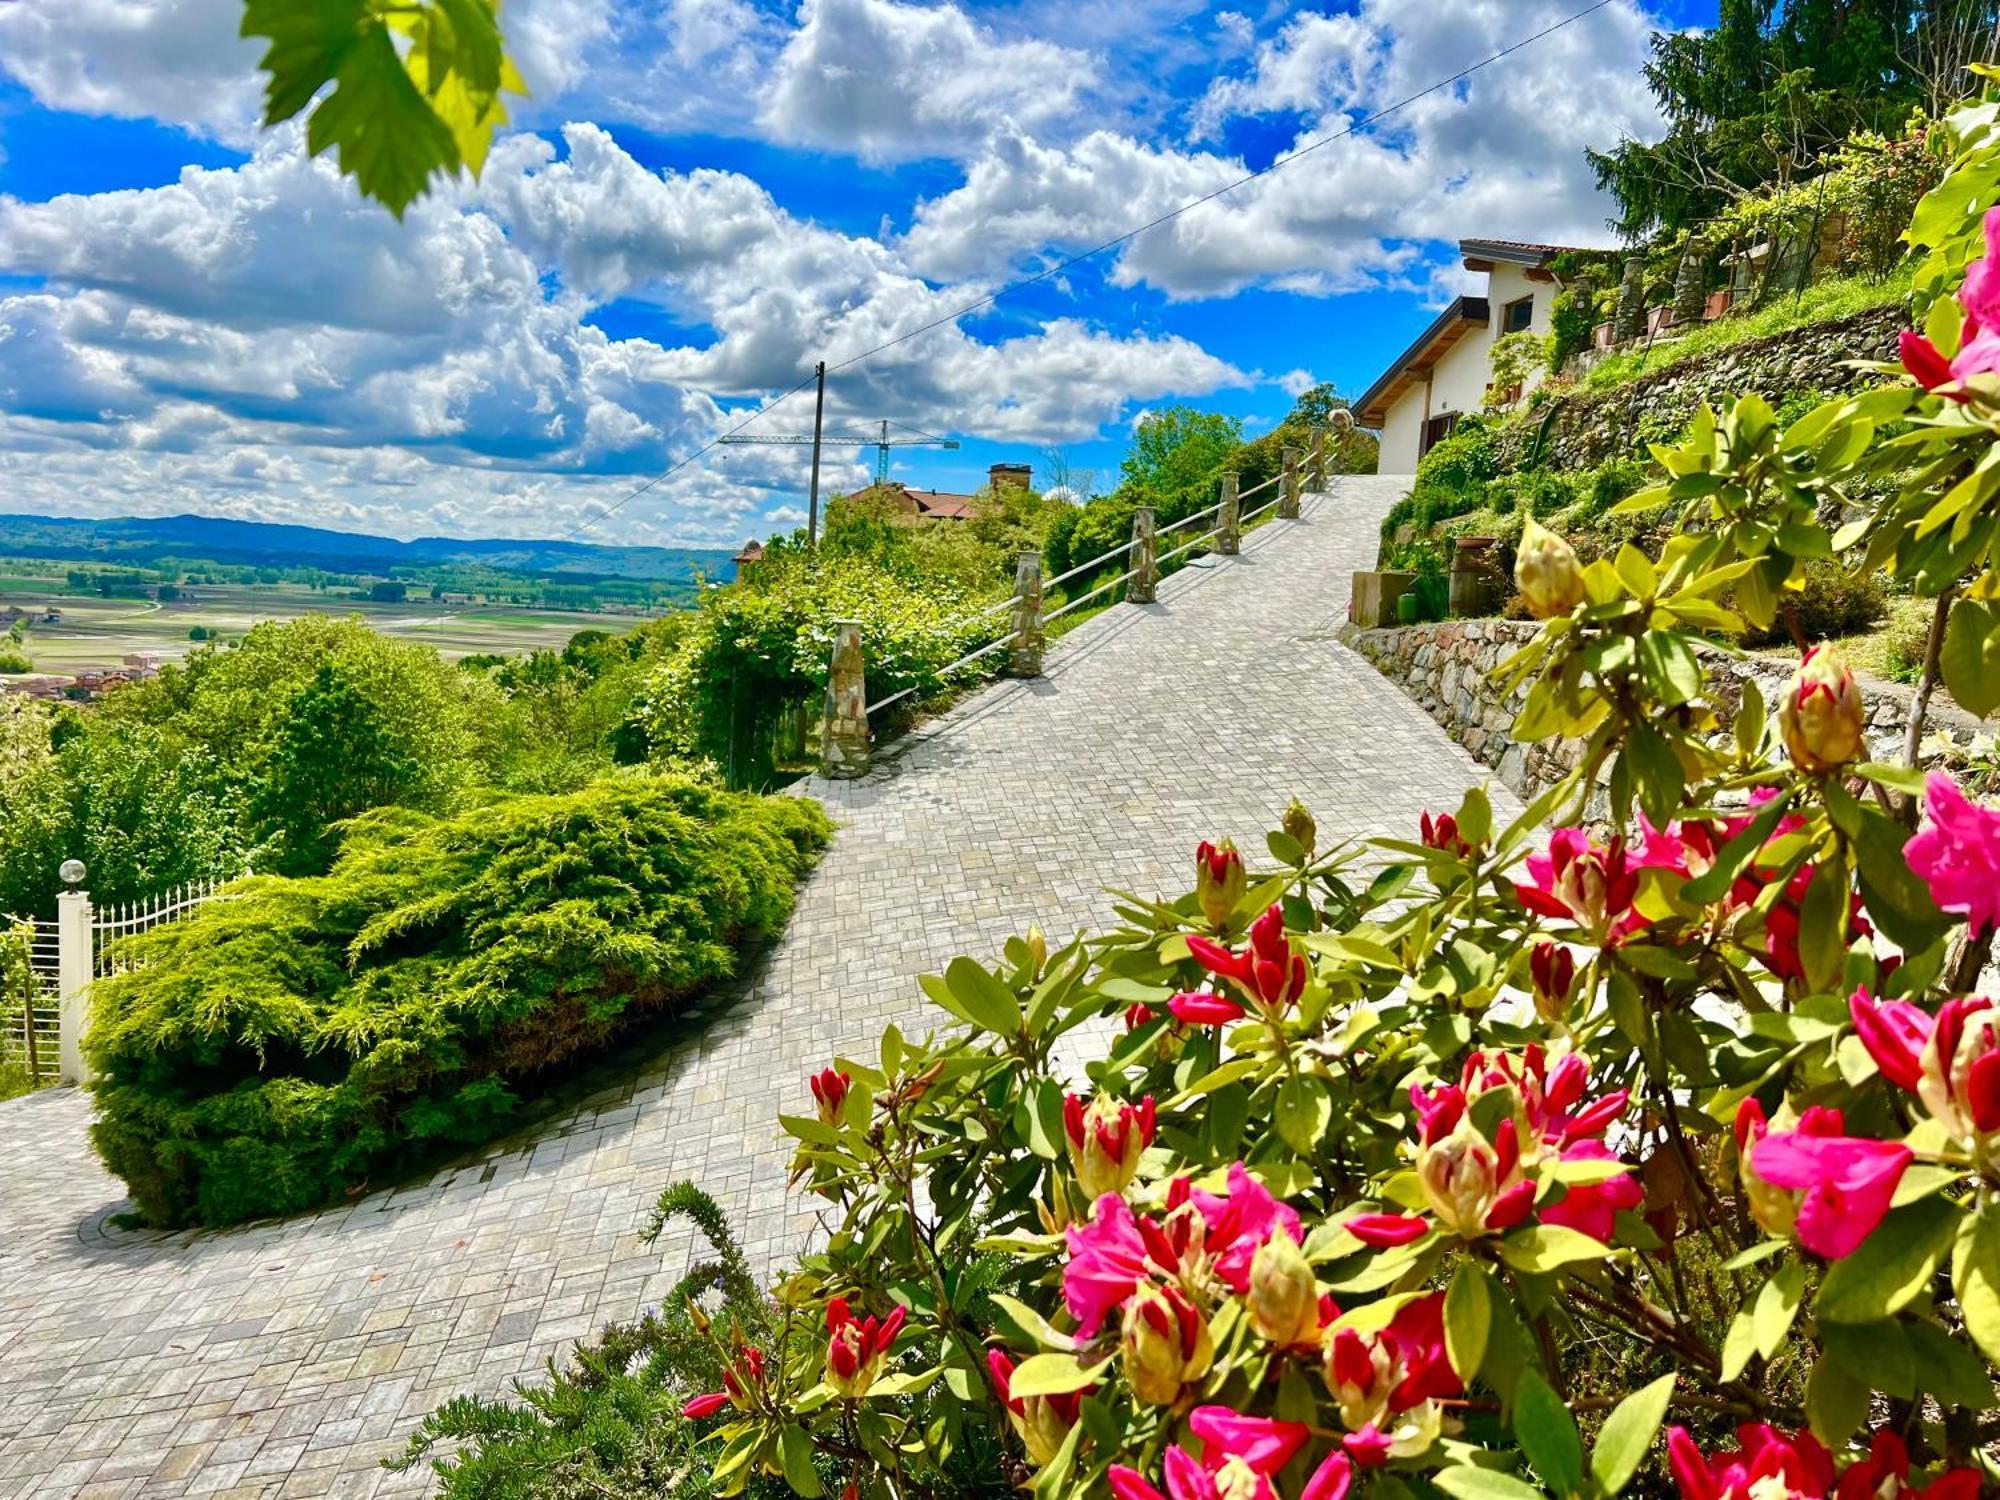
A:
<point x="1448" y="668"/>
<point x="1588" y="429"/>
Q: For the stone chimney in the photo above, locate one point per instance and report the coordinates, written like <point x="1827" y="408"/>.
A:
<point x="1021" y="476"/>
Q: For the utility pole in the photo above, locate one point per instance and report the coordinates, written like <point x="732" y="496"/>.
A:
<point x="812" y="501"/>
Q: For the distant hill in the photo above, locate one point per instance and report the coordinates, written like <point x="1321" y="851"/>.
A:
<point x="138" y="540"/>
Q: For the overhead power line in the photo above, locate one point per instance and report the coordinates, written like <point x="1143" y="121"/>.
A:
<point x="1277" y="163"/>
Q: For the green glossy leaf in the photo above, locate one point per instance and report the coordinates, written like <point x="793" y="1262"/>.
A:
<point x="1971" y="656"/>
<point x="1892" y="1266"/>
<point x="1548" y="1434"/>
<point x="1054" y="1375"/>
<point x="1776" y="1306"/>
<point x="1627" y="1435"/>
<point x="1836" y="1402"/>
<point x="986" y="1000"/>
<point x="1875" y="1354"/>
<point x="1549" y="1247"/>
<point x="1975" y="1277"/>
<point x="1031" y="1325"/>
<point x="1465" y="1482"/>
<point x="1302" y="1113"/>
<point x="1468" y="1318"/>
<point x="795" y="1446"/>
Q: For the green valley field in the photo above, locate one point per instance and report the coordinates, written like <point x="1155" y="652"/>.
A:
<point x="99" y="632"/>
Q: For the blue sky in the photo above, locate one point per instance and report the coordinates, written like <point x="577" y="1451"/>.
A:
<point x="703" y="196"/>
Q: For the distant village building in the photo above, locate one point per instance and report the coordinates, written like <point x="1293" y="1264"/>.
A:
<point x="749" y="557"/>
<point x="947" y="505"/>
<point x="1417" y="401"/>
<point x="39" y="685"/>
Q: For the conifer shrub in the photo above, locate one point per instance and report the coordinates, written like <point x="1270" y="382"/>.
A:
<point x="300" y="1037"/>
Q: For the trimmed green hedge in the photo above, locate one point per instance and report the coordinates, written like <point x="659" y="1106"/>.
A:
<point x="279" y="1047"/>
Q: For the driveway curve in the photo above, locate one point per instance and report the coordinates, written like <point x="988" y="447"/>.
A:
<point x="288" y="1358"/>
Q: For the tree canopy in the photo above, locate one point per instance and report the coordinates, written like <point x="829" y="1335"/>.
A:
<point x="1756" y="99"/>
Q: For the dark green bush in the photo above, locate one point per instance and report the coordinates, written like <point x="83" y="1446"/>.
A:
<point x="286" y="1044"/>
<point x="1613" y="480"/>
<point x="1833" y="603"/>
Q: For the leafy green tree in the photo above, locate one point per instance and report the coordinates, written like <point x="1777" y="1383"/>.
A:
<point x="335" y="757"/>
<point x="1175" y="448"/>
<point x="1755" y="99"/>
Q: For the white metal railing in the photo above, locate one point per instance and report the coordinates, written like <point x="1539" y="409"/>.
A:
<point x="30" y="1008"/>
<point x="65" y="956"/>
<point x="124" y="919"/>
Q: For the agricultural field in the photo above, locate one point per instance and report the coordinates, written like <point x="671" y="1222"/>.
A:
<point x="99" y="632"/>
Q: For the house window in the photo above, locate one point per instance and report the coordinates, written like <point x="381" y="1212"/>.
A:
<point x="1436" y="430"/>
<point x="1516" y="317"/>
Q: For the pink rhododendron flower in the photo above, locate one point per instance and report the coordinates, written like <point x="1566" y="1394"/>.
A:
<point x="1384" y="1231"/>
<point x="858" y="1348"/>
<point x="1885" y="1475"/>
<point x="1579" y="882"/>
<point x="1441" y="833"/>
<point x="1979" y="340"/>
<point x="1267" y="970"/>
<point x="1552" y="971"/>
<point x="1239" y="1222"/>
<point x="829" y="1091"/>
<point x="1847" y="1182"/>
<point x="1957" y="852"/>
<point x="1206" y="1008"/>
<point x="1768" y="1466"/>
<point x="1782" y="922"/>
<point x="1106" y="1139"/>
<point x="1475" y="1184"/>
<point x="1239" y="1457"/>
<point x="1042" y="1422"/>
<point x="1895" y="1033"/>
<point x="1118" y="1253"/>
<point x="1219" y="881"/>
<point x="741" y="1376"/>
<point x="1592" y="1208"/>
<point x="1387" y="1382"/>
<point x="1107" y="1262"/>
<point x="1950" y="1061"/>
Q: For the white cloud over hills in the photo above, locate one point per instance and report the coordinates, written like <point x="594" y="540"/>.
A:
<point x="256" y="341"/>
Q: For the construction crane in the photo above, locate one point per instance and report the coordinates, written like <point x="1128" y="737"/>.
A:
<point x="881" y="442"/>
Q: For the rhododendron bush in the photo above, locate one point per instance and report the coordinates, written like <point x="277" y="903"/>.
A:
<point x="1651" y="1140"/>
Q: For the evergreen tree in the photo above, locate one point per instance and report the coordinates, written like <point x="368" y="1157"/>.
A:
<point x="1757" y="98"/>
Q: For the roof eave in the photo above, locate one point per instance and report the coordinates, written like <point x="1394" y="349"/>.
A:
<point x="1462" y="310"/>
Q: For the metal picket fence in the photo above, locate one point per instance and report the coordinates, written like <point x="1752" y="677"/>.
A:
<point x="44" y="1013"/>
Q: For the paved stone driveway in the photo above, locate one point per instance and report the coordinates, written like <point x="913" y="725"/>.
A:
<point x="287" y="1359"/>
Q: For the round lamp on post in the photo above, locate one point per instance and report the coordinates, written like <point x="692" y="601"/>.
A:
<point x="71" y="871"/>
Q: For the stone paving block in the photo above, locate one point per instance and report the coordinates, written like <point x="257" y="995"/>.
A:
<point x="289" y="1358"/>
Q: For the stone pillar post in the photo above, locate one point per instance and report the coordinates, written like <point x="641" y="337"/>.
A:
<point x="1228" y="520"/>
<point x="1144" y="584"/>
<point x="73" y="975"/>
<point x="1288" y="487"/>
<point x="1629" y="322"/>
<point x="1691" y="284"/>
<point x="1318" y="469"/>
<point x="844" y="737"/>
<point x="1024" y="657"/>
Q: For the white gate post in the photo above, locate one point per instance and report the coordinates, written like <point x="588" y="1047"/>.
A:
<point x="73" y="976"/>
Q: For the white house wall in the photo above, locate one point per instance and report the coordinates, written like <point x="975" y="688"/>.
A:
<point x="1402" y="433"/>
<point x="1459" y="379"/>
